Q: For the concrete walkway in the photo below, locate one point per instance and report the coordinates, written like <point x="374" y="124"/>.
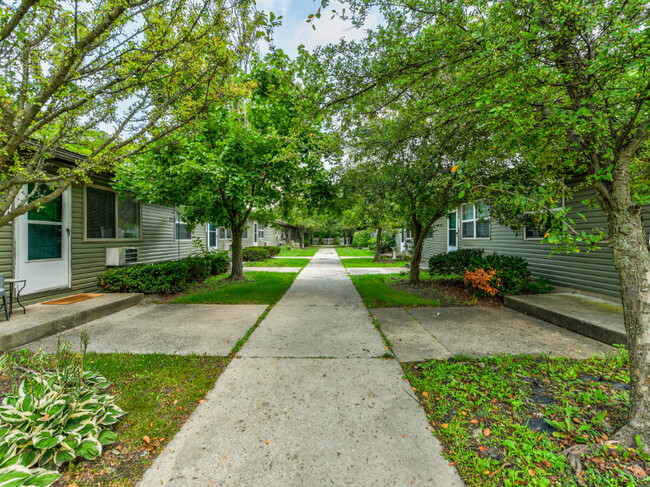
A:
<point x="309" y="402"/>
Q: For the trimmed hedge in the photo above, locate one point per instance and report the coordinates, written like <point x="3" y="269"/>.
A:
<point x="163" y="277"/>
<point x="511" y="274"/>
<point x="361" y="238"/>
<point x="255" y="254"/>
<point x="273" y="250"/>
<point x="456" y="262"/>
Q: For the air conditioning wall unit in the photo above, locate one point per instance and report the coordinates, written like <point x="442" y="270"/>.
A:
<point x="120" y="256"/>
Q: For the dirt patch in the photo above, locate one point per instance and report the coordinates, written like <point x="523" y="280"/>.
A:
<point x="450" y="292"/>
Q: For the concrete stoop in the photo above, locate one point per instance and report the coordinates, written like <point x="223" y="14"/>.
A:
<point x="600" y="319"/>
<point x="42" y="320"/>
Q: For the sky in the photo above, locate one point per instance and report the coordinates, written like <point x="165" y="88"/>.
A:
<point x="295" y="30"/>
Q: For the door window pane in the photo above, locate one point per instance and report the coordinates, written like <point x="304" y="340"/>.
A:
<point x="100" y="213"/>
<point x="43" y="241"/>
<point x="452" y="237"/>
<point x="49" y="212"/>
<point x="128" y="217"/>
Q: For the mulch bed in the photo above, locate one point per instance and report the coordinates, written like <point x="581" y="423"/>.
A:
<point x="450" y="292"/>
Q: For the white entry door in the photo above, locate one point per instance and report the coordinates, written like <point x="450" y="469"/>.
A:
<point x="43" y="246"/>
<point x="452" y="231"/>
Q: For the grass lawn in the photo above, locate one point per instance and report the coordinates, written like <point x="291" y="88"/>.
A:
<point x="505" y="420"/>
<point x="377" y="291"/>
<point x="258" y="288"/>
<point x="306" y="252"/>
<point x="279" y="263"/>
<point x="367" y="262"/>
<point x="352" y="252"/>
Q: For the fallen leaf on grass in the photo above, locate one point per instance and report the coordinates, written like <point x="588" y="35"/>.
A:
<point x="146" y="439"/>
<point x="637" y="471"/>
<point x="444" y="425"/>
<point x="473" y="421"/>
<point x="486" y="431"/>
<point x="47" y="416"/>
<point x="531" y="472"/>
<point x="481" y="448"/>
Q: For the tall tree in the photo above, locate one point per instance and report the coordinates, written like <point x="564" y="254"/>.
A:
<point x="245" y="157"/>
<point x="133" y="71"/>
<point x="563" y="89"/>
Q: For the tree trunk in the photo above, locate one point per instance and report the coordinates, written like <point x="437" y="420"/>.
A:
<point x="378" y="246"/>
<point x="632" y="261"/>
<point x="237" y="273"/>
<point x="414" y="274"/>
<point x="302" y="238"/>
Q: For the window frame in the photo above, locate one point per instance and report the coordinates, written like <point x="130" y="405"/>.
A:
<point x="116" y="210"/>
<point x="474" y="220"/>
<point x="540" y="238"/>
<point x="177" y="221"/>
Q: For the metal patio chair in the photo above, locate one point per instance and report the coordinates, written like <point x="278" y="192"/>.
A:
<point x="3" y="293"/>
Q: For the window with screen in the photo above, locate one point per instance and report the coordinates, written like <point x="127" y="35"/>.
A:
<point x="111" y="215"/>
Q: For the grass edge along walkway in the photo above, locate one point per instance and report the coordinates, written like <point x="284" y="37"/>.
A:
<point x="258" y="288"/>
<point x="306" y="252"/>
<point x="376" y="293"/>
<point x="354" y="252"/>
<point x="158" y="412"/>
<point x="278" y="262"/>
<point x="367" y="262"/>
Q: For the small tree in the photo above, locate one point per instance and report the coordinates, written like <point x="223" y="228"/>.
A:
<point x="243" y="158"/>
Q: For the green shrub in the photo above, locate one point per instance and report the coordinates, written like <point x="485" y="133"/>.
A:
<point x="254" y="254"/>
<point x="372" y="243"/>
<point x="163" y="277"/>
<point x="273" y="250"/>
<point x="361" y="238"/>
<point x="511" y="273"/>
<point x="337" y="241"/>
<point x="390" y="241"/>
<point x="456" y="262"/>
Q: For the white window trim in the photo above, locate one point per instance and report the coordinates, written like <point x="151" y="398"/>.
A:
<point x="115" y="239"/>
<point x="474" y="221"/>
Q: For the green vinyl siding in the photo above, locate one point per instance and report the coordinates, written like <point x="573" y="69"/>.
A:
<point x="591" y="271"/>
<point x="88" y="257"/>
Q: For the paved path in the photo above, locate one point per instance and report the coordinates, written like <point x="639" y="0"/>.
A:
<point x="309" y="402"/>
<point x="183" y="329"/>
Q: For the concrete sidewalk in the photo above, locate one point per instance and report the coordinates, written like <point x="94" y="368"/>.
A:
<point x="309" y="402"/>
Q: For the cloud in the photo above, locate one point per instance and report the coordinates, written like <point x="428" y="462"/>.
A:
<point x="295" y="30"/>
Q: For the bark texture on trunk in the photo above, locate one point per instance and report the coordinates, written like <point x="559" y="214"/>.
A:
<point x="378" y="245"/>
<point x="302" y="239"/>
<point x="416" y="258"/>
<point x="632" y="261"/>
<point x="237" y="273"/>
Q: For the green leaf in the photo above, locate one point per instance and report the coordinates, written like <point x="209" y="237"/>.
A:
<point x="45" y="440"/>
<point x="89" y="449"/>
<point x="106" y="437"/>
<point x="62" y="456"/>
<point x="14" y="476"/>
<point x="42" y="478"/>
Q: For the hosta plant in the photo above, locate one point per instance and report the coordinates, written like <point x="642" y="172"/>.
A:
<point x="51" y="418"/>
